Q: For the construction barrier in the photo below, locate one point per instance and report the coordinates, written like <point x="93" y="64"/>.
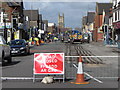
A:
<point x="105" y="69"/>
<point x="93" y="71"/>
<point x="48" y="64"/>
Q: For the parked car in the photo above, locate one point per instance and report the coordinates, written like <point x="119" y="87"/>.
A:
<point x="19" y="46"/>
<point x="5" y="51"/>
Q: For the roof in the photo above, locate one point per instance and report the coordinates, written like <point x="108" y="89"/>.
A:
<point x="84" y="20"/>
<point x="90" y="17"/>
<point x="14" y="3"/>
<point x="32" y="14"/>
<point x="103" y="6"/>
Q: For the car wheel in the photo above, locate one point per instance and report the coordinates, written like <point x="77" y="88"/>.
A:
<point x="28" y="51"/>
<point x="9" y="59"/>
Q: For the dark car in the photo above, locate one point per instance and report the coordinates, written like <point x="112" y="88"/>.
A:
<point x="19" y="46"/>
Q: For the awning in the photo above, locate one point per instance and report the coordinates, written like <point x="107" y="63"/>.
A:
<point x="116" y="25"/>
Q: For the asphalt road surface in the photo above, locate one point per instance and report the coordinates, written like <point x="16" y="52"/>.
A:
<point x="22" y="66"/>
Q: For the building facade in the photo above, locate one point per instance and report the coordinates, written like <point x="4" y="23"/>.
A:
<point x="61" y="21"/>
<point x="12" y="20"/>
<point x="84" y="24"/>
<point x="51" y="27"/>
<point x="61" y="24"/>
<point x="116" y="20"/>
<point x="98" y="34"/>
<point x="33" y="21"/>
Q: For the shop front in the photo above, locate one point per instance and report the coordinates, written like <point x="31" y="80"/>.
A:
<point x="117" y="33"/>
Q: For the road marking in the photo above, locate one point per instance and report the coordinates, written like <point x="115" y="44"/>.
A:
<point x="108" y="77"/>
<point x="92" y="56"/>
<point x="46" y="50"/>
<point x="89" y="75"/>
<point x="22" y="78"/>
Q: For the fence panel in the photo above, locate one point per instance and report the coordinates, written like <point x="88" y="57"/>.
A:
<point x="107" y="69"/>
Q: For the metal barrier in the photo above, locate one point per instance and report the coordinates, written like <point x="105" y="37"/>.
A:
<point x="107" y="69"/>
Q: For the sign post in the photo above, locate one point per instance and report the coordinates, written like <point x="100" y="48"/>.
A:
<point x="48" y="64"/>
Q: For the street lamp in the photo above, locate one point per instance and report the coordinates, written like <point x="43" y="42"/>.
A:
<point x="4" y="21"/>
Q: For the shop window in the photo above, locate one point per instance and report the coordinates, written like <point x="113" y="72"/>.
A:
<point x="119" y="15"/>
<point x="115" y="16"/>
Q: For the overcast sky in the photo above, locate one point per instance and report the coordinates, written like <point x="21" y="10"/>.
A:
<point x="73" y="11"/>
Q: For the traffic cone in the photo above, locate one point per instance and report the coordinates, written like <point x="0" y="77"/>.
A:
<point x="37" y="43"/>
<point x="80" y="74"/>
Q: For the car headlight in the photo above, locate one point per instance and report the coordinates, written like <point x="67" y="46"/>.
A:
<point x="22" y="48"/>
<point x="12" y="49"/>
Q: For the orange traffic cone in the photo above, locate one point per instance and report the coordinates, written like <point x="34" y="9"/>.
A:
<point x="80" y="74"/>
<point x="37" y="43"/>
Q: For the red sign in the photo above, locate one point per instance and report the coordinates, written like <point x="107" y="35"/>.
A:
<point x="49" y="63"/>
<point x="116" y="25"/>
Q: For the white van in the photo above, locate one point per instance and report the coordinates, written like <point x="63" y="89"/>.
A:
<point x="5" y="53"/>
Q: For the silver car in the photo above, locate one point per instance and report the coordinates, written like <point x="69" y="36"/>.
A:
<point x="5" y="52"/>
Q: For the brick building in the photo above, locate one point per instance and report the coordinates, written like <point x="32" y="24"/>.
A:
<point x="98" y="22"/>
<point x="13" y="19"/>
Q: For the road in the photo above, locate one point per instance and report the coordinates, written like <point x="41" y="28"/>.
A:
<point x="22" y="66"/>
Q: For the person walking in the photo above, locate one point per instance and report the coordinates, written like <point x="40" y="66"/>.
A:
<point x="116" y="39"/>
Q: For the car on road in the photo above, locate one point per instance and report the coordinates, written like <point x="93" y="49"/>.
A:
<point x="5" y="51"/>
<point x="19" y="46"/>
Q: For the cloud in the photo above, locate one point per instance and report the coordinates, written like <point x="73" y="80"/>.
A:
<point x="73" y="11"/>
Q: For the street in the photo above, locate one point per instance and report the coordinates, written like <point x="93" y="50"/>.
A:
<point x="59" y="44"/>
<point x="102" y="69"/>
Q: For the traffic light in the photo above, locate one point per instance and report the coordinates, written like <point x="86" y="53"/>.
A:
<point x="15" y="24"/>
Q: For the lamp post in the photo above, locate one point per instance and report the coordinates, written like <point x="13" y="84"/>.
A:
<point x="5" y="29"/>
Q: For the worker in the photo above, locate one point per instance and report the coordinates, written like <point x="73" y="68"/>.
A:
<point x="37" y="41"/>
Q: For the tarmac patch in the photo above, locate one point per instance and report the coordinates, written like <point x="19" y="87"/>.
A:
<point x="95" y="65"/>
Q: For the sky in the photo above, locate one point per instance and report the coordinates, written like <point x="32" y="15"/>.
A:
<point x="73" y="11"/>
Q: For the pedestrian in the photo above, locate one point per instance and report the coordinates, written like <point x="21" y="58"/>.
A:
<point x="118" y="79"/>
<point x="45" y="39"/>
<point x="55" y="39"/>
<point x="48" y="39"/>
<point x="116" y="38"/>
<point x="88" y="38"/>
<point x="110" y="40"/>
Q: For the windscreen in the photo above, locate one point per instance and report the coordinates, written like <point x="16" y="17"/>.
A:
<point x="17" y="42"/>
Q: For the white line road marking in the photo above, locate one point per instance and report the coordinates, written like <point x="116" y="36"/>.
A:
<point x="108" y="77"/>
<point x="89" y="75"/>
<point x="22" y="78"/>
<point x="92" y="56"/>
